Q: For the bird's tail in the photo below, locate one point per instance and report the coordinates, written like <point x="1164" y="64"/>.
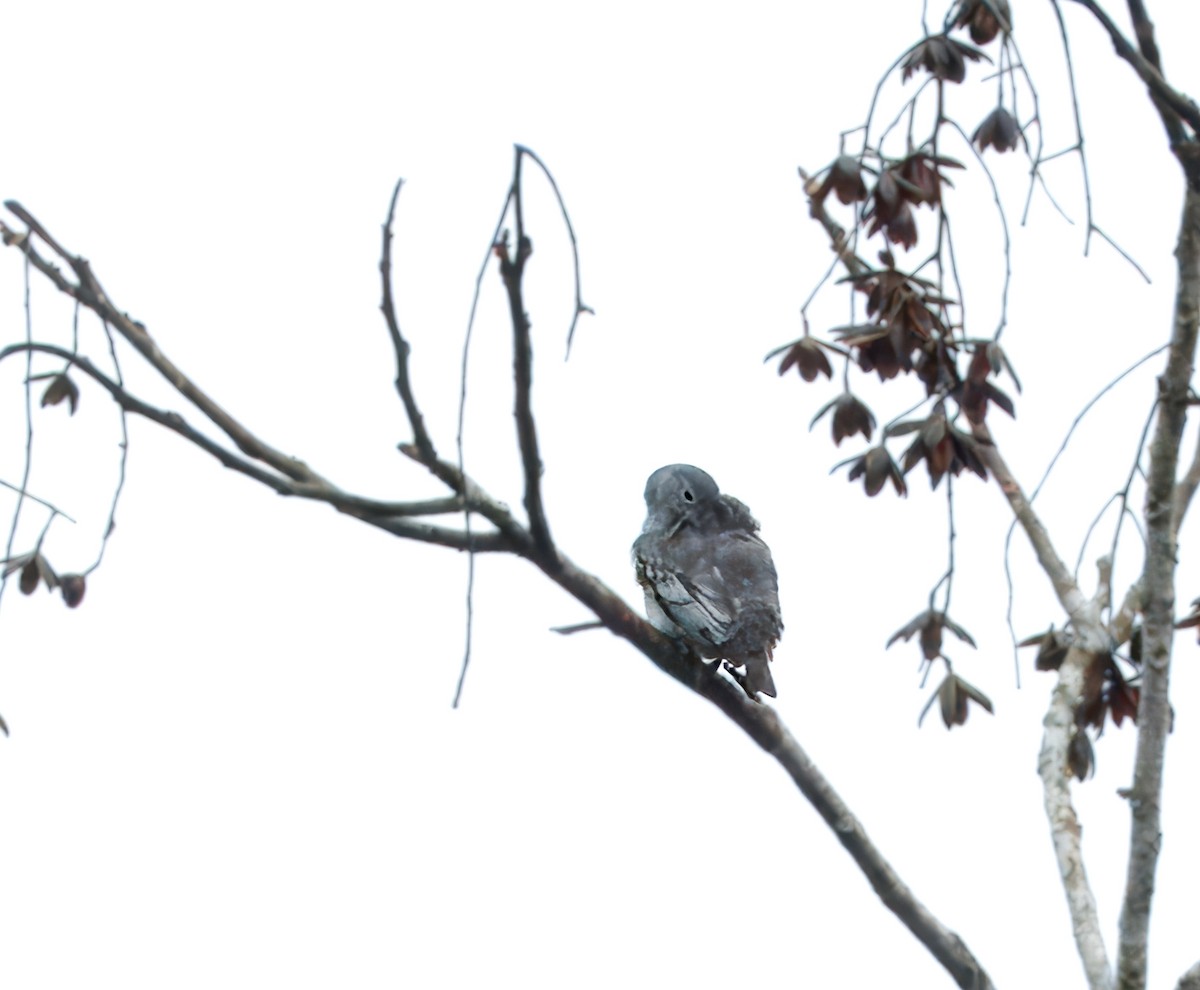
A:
<point x="758" y="675"/>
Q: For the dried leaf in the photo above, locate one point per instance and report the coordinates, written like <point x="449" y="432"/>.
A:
<point x="985" y="19"/>
<point x="954" y="702"/>
<point x="999" y="130"/>
<point x="930" y="624"/>
<point x="1052" y="648"/>
<point x="34" y="569"/>
<point x="30" y="577"/>
<point x="61" y="387"/>
<point x="850" y="416"/>
<point x="999" y="362"/>
<point x="73" y="588"/>
<point x="845" y="179"/>
<point x="942" y="57"/>
<point x="954" y="694"/>
<point x="809" y="359"/>
<point x="876" y="467"/>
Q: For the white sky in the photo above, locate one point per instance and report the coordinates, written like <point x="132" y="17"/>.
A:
<point x="236" y="763"/>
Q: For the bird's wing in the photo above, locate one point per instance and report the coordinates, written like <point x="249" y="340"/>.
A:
<point x="698" y="604"/>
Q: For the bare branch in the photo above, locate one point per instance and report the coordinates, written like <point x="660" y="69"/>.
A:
<point x="764" y="726"/>
<point x="383" y="515"/>
<point x="422" y="532"/>
<point x="1069" y="595"/>
<point x="290" y="477"/>
<point x="580" y="308"/>
<point x="399" y="344"/>
<point x="1143" y="30"/>
<point x="479" y="501"/>
<point x="1059" y="722"/>
<point x="1172" y="105"/>
<point x="90" y="293"/>
<point x="512" y="270"/>
<point x="1158" y="601"/>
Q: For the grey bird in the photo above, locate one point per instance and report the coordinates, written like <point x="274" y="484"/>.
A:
<point x="708" y="576"/>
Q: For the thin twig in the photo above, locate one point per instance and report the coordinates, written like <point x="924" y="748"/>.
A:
<point x="577" y="627"/>
<point x="1083" y="168"/>
<point x="89" y="292"/>
<point x="1134" y="470"/>
<point x="1003" y="225"/>
<point x="123" y="460"/>
<point x="24" y="486"/>
<point x="390" y="516"/>
<point x="1088" y="408"/>
<point x="40" y="501"/>
<point x="1065" y="587"/>
<point x="459" y="444"/>
<point x="1046" y="477"/>
<point x="399" y="344"/>
<point x="580" y="308"/>
<point x="512" y="270"/>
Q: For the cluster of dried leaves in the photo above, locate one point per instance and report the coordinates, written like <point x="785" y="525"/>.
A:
<point x="912" y="328"/>
<point x="954" y="692"/>
<point x="34" y="568"/>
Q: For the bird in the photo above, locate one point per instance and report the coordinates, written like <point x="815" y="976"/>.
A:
<point x="708" y="577"/>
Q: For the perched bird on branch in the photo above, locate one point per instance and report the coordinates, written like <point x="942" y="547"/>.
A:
<point x="708" y="576"/>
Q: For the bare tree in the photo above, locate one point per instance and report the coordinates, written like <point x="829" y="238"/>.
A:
<point x="914" y="328"/>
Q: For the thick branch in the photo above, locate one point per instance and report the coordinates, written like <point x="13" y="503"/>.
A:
<point x="764" y="726"/>
<point x="1059" y="722"/>
<point x="1084" y="616"/>
<point x="479" y="501"/>
<point x="1143" y="30"/>
<point x="290" y="477"/>
<point x="1066" y="832"/>
<point x="1173" y="106"/>
<point x="1158" y="595"/>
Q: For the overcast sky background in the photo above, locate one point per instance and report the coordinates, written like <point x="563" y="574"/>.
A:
<point x="236" y="762"/>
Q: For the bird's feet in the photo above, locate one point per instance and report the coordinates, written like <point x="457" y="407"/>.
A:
<point x="742" y="680"/>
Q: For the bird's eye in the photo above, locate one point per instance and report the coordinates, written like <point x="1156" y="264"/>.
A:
<point x="688" y="495"/>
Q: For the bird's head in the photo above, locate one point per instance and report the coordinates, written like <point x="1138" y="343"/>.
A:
<point x="674" y="491"/>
